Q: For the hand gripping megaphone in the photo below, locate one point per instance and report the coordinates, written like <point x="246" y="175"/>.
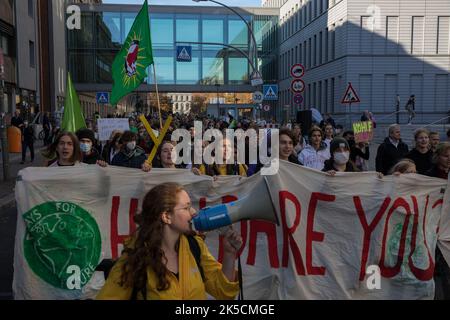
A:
<point x="257" y="205"/>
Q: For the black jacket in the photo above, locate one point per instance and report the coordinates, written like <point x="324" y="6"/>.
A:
<point x="388" y="155"/>
<point x="134" y="159"/>
<point x="436" y="173"/>
<point x="92" y="157"/>
<point x="423" y="161"/>
<point x="28" y="134"/>
<point x="328" y="165"/>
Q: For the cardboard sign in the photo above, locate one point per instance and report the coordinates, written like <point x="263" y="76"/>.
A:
<point x="363" y="131"/>
<point x="107" y="126"/>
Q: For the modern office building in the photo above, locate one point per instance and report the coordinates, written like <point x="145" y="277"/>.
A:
<point x="384" y="48"/>
<point x="19" y="44"/>
<point x="215" y="34"/>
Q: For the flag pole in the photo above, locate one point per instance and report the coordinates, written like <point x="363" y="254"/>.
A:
<point x="157" y="96"/>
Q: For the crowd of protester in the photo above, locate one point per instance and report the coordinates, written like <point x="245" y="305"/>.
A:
<point x="326" y="147"/>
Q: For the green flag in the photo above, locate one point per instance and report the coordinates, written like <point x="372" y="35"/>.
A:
<point x="73" y="118"/>
<point x="129" y="66"/>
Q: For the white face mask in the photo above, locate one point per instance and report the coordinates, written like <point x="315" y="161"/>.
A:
<point x="85" y="147"/>
<point x="341" y="157"/>
<point x="131" y="145"/>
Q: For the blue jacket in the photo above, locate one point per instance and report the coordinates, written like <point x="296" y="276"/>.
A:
<point x="134" y="159"/>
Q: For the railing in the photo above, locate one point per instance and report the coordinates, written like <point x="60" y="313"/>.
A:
<point x="430" y="124"/>
<point x="388" y="116"/>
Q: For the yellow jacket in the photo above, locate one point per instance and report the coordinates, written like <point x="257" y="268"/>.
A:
<point x="189" y="286"/>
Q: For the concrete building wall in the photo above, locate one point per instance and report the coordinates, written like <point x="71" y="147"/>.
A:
<point x="382" y="47"/>
<point x="58" y="54"/>
<point x="27" y="45"/>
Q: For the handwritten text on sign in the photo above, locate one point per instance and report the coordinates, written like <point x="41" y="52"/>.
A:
<point x="363" y="131"/>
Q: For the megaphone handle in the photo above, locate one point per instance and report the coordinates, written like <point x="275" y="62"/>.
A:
<point x="223" y="231"/>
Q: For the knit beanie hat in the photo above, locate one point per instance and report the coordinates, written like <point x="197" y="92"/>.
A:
<point x="86" y="134"/>
<point x="337" y="143"/>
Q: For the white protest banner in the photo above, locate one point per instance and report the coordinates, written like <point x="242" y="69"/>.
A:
<point x="332" y="230"/>
<point x="108" y="125"/>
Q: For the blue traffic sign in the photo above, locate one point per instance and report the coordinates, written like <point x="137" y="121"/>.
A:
<point x="270" y="92"/>
<point x="102" y="97"/>
<point x="184" y="53"/>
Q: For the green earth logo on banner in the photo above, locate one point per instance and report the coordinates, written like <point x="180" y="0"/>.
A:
<point x="61" y="237"/>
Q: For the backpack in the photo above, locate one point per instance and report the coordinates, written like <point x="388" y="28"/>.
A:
<point x="107" y="264"/>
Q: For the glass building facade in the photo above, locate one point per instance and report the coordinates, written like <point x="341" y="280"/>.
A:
<point x="91" y="50"/>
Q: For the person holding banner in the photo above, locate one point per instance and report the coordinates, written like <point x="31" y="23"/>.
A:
<point x="440" y="169"/>
<point x="112" y="147"/>
<point x="404" y="166"/>
<point x="287" y="142"/>
<point x="441" y="162"/>
<point x="224" y="169"/>
<point x="164" y="156"/>
<point x="88" y="149"/>
<point x="340" y="158"/>
<point x="131" y="155"/>
<point x="64" y="151"/>
<point x="422" y="154"/>
<point x="160" y="262"/>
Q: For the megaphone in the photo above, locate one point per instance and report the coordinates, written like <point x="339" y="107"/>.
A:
<point x="257" y="205"/>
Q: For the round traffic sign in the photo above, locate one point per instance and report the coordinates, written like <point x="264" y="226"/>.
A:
<point x="266" y="107"/>
<point x="298" y="98"/>
<point x="298" y="86"/>
<point x="257" y="97"/>
<point x="297" y="70"/>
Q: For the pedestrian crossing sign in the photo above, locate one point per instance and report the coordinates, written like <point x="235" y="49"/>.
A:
<point x="184" y="53"/>
<point x="270" y="92"/>
<point x="102" y="97"/>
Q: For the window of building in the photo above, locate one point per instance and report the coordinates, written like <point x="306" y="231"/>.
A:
<point x="442" y="46"/>
<point x="310" y="12"/>
<point x="320" y="47"/>
<point x="326" y="45"/>
<point x="333" y="42"/>
<point x="300" y="54"/>
<point x="333" y="99"/>
<point x="30" y="8"/>
<point x="319" y="97"/>
<point x="309" y="53"/>
<point x="304" y="54"/>
<point x="4" y="44"/>
<point x="32" y="55"/>
<point x="417" y="36"/>
<point x="315" y="51"/>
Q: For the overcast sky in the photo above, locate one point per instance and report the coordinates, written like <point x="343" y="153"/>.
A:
<point x="235" y="3"/>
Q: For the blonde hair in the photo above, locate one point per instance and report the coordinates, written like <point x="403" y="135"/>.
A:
<point x="441" y="148"/>
<point x="402" y="166"/>
<point x="420" y="131"/>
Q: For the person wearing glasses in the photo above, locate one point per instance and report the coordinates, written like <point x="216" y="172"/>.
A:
<point x="159" y="263"/>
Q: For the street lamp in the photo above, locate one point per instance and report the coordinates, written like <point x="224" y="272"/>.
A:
<point x="255" y="46"/>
